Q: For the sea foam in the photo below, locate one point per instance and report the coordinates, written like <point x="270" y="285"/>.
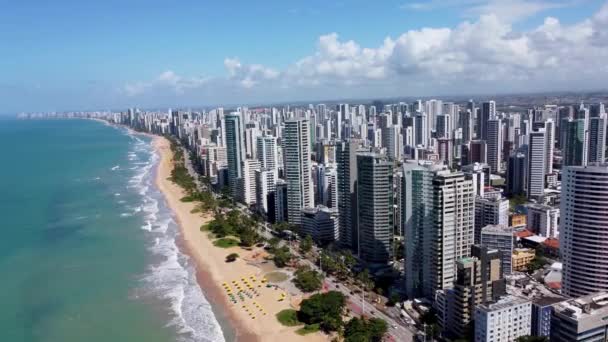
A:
<point x="171" y="277"/>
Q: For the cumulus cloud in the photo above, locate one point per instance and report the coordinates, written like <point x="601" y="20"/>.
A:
<point x="166" y="80"/>
<point x="486" y="53"/>
<point x="248" y="76"/>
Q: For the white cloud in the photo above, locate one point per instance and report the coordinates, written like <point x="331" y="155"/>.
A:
<point x="166" y="80"/>
<point x="509" y="10"/>
<point x="486" y="54"/>
<point x="248" y="75"/>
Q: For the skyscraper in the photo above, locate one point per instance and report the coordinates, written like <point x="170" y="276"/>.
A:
<point x="494" y="142"/>
<point x="574" y="146"/>
<point x="267" y="152"/>
<point x="597" y="139"/>
<point x="488" y="111"/>
<point x="549" y="145"/>
<point x="536" y="164"/>
<point x="375" y="207"/>
<point x="584" y="229"/>
<point x="296" y="156"/>
<point x="516" y="174"/>
<point x="346" y="158"/>
<point x="235" y="150"/>
<point x="440" y="231"/>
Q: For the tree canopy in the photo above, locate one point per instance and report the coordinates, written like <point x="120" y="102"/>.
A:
<point x="363" y="330"/>
<point x="325" y="309"/>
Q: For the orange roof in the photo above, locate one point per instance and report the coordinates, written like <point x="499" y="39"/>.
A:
<point x="555" y="285"/>
<point x="552" y="243"/>
<point x="523" y="234"/>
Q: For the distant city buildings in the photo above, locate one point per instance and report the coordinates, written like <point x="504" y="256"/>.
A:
<point x="455" y="199"/>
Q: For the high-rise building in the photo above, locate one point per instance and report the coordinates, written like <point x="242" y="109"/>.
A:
<point x="477" y="152"/>
<point x="488" y="112"/>
<point x="440" y="228"/>
<point x="321" y="223"/>
<point x="296" y="156"/>
<point x="494" y="142"/>
<point x="549" y="145"/>
<point x="265" y="185"/>
<point x="536" y="164"/>
<point x="574" y="145"/>
<point x="597" y="139"/>
<point x="505" y="320"/>
<point x="267" y="152"/>
<point x="500" y="238"/>
<point x="375" y="207"/>
<point x="247" y="192"/>
<point x="543" y="220"/>
<point x="346" y="158"/>
<point x="235" y="150"/>
<point x="584" y="229"/>
<point x="490" y="211"/>
<point x="516" y="174"/>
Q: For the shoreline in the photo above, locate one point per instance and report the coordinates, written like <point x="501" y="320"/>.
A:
<point x="211" y="270"/>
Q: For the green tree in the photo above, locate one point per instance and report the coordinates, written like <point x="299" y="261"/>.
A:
<point x="282" y="257"/>
<point x="248" y="237"/>
<point x="363" y="330"/>
<point x="325" y="309"/>
<point x="306" y="244"/>
<point x="308" y="280"/>
<point x="365" y="280"/>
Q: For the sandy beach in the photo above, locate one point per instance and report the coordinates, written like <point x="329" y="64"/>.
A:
<point x="246" y="316"/>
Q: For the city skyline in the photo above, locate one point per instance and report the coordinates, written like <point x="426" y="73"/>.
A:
<point x="193" y="54"/>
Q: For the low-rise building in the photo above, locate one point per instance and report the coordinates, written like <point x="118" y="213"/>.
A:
<point x="504" y="320"/>
<point x="521" y="258"/>
<point x="581" y="319"/>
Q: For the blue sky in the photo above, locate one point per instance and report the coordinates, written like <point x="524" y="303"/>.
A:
<point x="70" y="55"/>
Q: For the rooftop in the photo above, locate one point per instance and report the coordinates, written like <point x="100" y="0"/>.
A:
<point x="503" y="303"/>
<point x="590" y="305"/>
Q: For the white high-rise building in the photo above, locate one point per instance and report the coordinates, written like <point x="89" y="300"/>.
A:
<point x="439" y="227"/>
<point x="584" y="229"/>
<point x="265" y="183"/>
<point x="550" y="145"/>
<point x="536" y="164"/>
<point x="267" y="152"/>
<point x="296" y="156"/>
<point x="247" y="193"/>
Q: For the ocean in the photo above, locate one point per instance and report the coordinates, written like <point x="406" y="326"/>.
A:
<point x="87" y="247"/>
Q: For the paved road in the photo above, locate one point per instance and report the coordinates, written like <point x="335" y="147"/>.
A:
<point x="398" y="330"/>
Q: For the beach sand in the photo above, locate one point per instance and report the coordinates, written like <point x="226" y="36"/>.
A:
<point x="213" y="271"/>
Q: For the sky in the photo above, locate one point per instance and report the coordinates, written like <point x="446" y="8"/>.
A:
<point x="82" y="55"/>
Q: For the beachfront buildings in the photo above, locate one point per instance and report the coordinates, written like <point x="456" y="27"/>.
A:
<point x="419" y="181"/>
<point x="375" y="207"/>
<point x="296" y="155"/>
<point x="584" y="229"/>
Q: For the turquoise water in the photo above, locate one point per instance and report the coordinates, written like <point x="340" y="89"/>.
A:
<point x="87" y="251"/>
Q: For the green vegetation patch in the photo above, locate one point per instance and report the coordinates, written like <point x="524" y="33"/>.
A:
<point x="288" y="318"/>
<point x="308" y="329"/>
<point x="226" y="242"/>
